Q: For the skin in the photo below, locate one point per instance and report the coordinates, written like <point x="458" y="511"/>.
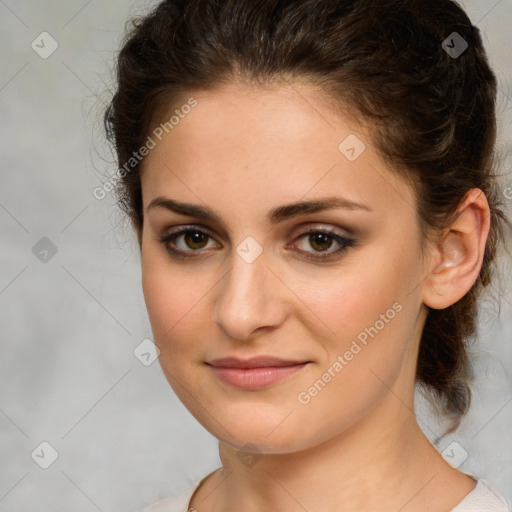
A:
<point x="356" y="446"/>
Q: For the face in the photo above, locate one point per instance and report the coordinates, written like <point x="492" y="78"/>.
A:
<point x="337" y="291"/>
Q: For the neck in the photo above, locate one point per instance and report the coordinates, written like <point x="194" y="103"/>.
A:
<point x="371" y="466"/>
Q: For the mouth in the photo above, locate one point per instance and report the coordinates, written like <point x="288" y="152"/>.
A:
<point x="255" y="373"/>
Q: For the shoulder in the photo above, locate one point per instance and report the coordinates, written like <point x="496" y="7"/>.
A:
<point x="483" y="498"/>
<point x="176" y="503"/>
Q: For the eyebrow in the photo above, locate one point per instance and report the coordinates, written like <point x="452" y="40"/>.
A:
<point x="274" y="216"/>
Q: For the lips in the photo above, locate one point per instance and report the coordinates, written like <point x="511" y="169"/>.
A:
<point x="255" y="373"/>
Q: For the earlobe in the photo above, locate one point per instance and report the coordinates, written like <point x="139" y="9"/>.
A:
<point x="460" y="253"/>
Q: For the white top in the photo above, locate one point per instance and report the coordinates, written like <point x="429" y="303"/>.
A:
<point x="483" y="498"/>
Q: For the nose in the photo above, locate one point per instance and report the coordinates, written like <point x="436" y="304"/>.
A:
<point x="251" y="298"/>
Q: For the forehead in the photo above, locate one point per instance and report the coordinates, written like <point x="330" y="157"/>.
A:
<point x="256" y="146"/>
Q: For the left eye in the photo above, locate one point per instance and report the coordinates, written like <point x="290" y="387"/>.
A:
<point x="323" y="239"/>
<point x="196" y="239"/>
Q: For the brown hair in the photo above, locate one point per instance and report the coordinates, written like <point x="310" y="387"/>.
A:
<point x="432" y="113"/>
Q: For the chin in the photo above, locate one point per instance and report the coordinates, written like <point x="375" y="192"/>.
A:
<point x="272" y="431"/>
<point x="259" y="443"/>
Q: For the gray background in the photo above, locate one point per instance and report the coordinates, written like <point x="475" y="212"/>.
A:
<point x="69" y="326"/>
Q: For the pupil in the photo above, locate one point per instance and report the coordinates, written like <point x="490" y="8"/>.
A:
<point x="321" y="239"/>
<point x="196" y="237"/>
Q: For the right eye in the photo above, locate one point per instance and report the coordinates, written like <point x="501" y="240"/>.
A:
<point x="193" y="238"/>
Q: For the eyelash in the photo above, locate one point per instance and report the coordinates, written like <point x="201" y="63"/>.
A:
<point x="345" y="243"/>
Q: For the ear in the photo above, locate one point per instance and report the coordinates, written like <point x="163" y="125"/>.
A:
<point x="457" y="258"/>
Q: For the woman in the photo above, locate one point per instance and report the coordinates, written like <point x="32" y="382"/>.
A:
<point x="312" y="189"/>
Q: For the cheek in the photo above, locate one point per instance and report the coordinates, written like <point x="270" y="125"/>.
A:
<point x="349" y="303"/>
<point x="174" y="308"/>
<point x="371" y="315"/>
<point x="363" y="357"/>
<point x="172" y="299"/>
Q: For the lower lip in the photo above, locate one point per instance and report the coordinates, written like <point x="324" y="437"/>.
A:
<point x="255" y="378"/>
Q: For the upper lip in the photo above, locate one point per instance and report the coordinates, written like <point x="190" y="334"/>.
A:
<point x="253" y="362"/>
